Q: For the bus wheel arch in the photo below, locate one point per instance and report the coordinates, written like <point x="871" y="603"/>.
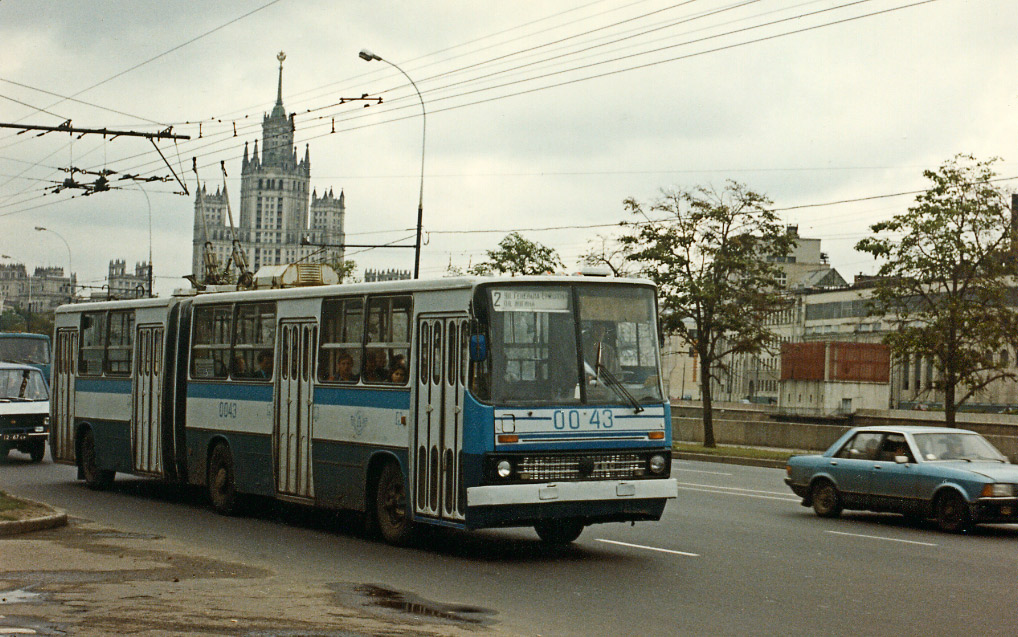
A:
<point x="88" y="468"/>
<point x="220" y="477"/>
<point x="388" y="500"/>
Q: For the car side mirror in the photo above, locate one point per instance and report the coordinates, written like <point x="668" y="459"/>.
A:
<point x="901" y="459"/>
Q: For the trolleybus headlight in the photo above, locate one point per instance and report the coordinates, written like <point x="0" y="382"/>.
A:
<point x="504" y="469"/>
<point x="657" y="463"/>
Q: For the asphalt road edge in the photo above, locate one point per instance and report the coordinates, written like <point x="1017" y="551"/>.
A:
<point x="54" y="518"/>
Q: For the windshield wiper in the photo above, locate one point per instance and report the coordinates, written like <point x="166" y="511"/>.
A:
<point x="614" y="382"/>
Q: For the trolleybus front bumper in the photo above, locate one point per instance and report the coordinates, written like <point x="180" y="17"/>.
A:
<point x="593" y="501"/>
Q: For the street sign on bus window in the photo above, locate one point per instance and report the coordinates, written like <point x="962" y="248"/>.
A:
<point x="530" y="300"/>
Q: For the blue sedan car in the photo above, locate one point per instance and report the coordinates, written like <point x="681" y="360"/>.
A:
<point x="952" y="475"/>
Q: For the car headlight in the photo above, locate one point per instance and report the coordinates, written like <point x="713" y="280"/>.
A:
<point x="504" y="469"/>
<point x="45" y="421"/>
<point x="39" y="430"/>
<point x="657" y="464"/>
<point x="999" y="490"/>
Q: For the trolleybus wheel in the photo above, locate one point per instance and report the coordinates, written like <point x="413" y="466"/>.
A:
<point x="391" y="515"/>
<point x="221" y="485"/>
<point x="37" y="450"/>
<point x="559" y="531"/>
<point x="95" y="478"/>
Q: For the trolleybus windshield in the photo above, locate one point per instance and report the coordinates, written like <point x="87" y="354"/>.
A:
<point x="572" y="345"/>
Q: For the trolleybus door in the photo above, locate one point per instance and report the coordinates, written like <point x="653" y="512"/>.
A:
<point x="65" y="365"/>
<point x="147" y="390"/>
<point x="293" y="426"/>
<point x="438" y="422"/>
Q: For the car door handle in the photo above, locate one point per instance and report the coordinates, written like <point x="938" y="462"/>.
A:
<point x="876" y="467"/>
<point x="834" y="463"/>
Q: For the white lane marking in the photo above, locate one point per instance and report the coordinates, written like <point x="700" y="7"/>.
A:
<point x="649" y="548"/>
<point x="715" y="486"/>
<point x="712" y="473"/>
<point x="745" y="495"/>
<point x="877" y="537"/>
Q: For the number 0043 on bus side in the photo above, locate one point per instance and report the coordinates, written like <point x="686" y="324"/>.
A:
<point x="563" y="420"/>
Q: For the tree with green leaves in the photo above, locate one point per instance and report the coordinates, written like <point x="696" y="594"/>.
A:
<point x="713" y="255"/>
<point x="345" y="269"/>
<point x="516" y="255"/>
<point x="947" y="284"/>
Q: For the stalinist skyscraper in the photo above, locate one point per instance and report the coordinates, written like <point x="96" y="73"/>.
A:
<point x="277" y="206"/>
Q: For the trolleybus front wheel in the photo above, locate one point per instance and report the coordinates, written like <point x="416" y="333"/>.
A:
<point x="221" y="485"/>
<point x="391" y="515"/>
<point x="559" y="531"/>
<point x="95" y="478"/>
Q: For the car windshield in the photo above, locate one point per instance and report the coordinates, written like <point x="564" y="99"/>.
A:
<point x="22" y="385"/>
<point x="956" y="446"/>
<point x="27" y="351"/>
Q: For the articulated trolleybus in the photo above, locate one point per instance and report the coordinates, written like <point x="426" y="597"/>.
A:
<point x="468" y="403"/>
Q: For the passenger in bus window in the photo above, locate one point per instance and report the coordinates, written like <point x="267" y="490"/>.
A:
<point x="240" y="367"/>
<point x="264" y="364"/>
<point x="374" y="366"/>
<point x="343" y="370"/>
<point x="399" y="375"/>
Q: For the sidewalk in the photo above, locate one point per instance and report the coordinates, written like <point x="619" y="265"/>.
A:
<point x="84" y="579"/>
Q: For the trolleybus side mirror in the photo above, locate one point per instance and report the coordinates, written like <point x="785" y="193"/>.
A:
<point x="478" y="348"/>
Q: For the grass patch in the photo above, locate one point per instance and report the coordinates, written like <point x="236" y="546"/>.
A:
<point x="7" y="503"/>
<point x="740" y="452"/>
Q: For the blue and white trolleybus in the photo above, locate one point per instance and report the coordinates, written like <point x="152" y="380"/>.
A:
<point x="462" y="402"/>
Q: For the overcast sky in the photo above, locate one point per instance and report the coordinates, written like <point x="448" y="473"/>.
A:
<point x="540" y="114"/>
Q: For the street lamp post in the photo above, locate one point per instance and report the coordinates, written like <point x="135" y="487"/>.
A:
<point x="70" y="265"/>
<point x="149" y="203"/>
<point x="368" y="56"/>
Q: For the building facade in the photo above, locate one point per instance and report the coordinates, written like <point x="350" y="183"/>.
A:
<point x="41" y="291"/>
<point x="280" y="219"/>
<point x="127" y="285"/>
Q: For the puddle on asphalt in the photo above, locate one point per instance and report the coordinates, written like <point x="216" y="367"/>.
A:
<point x="125" y="535"/>
<point x="19" y="596"/>
<point x="400" y="602"/>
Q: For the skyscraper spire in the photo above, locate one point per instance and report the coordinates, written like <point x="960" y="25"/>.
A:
<point x="279" y="93"/>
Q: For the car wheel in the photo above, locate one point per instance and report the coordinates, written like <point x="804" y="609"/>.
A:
<point x="391" y="516"/>
<point x="952" y="512"/>
<point x="826" y="501"/>
<point x="221" y="484"/>
<point x="37" y="451"/>
<point x="559" y="531"/>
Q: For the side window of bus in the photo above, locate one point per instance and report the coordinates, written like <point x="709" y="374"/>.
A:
<point x="342" y="337"/>
<point x="388" y="344"/>
<point x="93" y="343"/>
<point x="119" y="344"/>
<point x="254" y="341"/>
<point x="210" y="349"/>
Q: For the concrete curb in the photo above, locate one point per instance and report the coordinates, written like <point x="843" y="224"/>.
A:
<point x="748" y="462"/>
<point x="57" y="517"/>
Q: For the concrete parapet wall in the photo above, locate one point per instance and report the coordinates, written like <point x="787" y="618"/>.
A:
<point x="760" y="433"/>
<point x="755" y="428"/>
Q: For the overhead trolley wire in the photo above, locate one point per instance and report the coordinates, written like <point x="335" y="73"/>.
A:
<point x="225" y="133"/>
